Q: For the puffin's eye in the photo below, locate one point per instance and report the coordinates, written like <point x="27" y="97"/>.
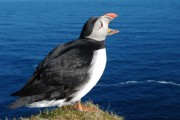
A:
<point x="101" y="25"/>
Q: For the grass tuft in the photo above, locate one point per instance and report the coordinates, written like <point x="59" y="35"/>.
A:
<point x="69" y="113"/>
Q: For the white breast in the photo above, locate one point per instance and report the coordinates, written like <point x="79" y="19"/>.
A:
<point x="98" y="64"/>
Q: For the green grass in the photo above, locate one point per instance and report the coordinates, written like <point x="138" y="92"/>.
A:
<point x="69" y="113"/>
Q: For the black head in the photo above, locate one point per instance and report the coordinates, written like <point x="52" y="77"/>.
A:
<point x="96" y="28"/>
<point x="88" y="27"/>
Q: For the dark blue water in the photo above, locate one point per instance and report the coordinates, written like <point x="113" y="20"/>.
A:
<point x="142" y="77"/>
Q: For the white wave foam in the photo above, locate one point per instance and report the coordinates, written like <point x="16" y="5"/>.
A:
<point x="139" y="82"/>
<point x="164" y="82"/>
<point x="117" y="84"/>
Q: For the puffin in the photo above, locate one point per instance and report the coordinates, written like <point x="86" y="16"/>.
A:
<point x="70" y="70"/>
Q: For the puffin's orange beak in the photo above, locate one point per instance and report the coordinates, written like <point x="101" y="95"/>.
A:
<point x="110" y="17"/>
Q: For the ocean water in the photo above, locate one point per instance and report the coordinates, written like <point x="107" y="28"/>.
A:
<point x="142" y="77"/>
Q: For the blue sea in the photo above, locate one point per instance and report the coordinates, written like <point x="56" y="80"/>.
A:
<point x="142" y="77"/>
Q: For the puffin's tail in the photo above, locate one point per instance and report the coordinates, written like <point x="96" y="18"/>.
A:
<point x="19" y="103"/>
<point x="22" y="101"/>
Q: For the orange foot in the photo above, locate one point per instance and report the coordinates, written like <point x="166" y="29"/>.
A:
<point x="84" y="108"/>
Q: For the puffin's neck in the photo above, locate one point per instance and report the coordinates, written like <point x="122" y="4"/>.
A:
<point x="96" y="44"/>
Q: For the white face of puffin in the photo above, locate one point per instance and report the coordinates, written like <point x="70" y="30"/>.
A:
<point x="101" y="30"/>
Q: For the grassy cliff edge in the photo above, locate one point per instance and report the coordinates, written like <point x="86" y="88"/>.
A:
<point x="69" y="113"/>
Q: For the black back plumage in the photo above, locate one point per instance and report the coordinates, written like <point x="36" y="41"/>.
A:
<point x="61" y="72"/>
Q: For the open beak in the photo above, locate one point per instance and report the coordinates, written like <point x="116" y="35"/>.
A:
<point x="110" y="17"/>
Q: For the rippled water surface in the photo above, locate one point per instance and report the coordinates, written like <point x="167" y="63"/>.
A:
<point x="142" y="76"/>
